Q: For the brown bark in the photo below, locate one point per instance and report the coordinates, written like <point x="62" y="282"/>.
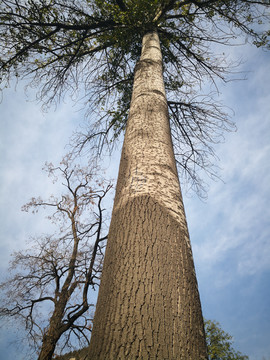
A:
<point x="51" y="337"/>
<point x="148" y="305"/>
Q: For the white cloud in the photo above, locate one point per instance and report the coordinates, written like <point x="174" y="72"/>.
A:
<point x="234" y="225"/>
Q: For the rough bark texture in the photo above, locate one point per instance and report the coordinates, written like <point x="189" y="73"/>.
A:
<point x="148" y="305"/>
<point x="52" y="334"/>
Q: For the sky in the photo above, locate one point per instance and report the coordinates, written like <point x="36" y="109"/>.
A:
<point x="229" y="231"/>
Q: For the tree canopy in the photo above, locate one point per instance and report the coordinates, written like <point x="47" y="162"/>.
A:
<point x="90" y="48"/>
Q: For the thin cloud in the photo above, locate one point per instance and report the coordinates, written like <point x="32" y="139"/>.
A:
<point x="234" y="225"/>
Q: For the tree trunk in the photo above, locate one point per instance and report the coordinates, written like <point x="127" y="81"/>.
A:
<point x="148" y="305"/>
<point x="53" y="333"/>
<point x="49" y="342"/>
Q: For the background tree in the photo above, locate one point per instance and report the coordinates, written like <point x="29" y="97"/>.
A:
<point x="219" y="343"/>
<point x="48" y="286"/>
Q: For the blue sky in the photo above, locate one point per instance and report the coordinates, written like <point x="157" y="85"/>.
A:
<point x="229" y="232"/>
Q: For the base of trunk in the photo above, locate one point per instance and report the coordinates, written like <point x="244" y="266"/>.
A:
<point x="148" y="305"/>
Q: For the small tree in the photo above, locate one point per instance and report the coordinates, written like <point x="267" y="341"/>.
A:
<point x="219" y="343"/>
<point x="48" y="286"/>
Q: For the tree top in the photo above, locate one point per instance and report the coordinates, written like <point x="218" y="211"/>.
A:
<point x="90" y="48"/>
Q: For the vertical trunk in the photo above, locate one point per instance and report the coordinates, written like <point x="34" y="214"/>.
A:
<point x="148" y="305"/>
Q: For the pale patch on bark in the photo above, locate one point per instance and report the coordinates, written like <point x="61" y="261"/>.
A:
<point x="148" y="165"/>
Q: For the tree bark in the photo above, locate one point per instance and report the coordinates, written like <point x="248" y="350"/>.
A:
<point x="148" y="305"/>
<point x="49" y="342"/>
<point x="53" y="333"/>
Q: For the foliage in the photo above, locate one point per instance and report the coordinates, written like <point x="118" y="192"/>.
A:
<point x="91" y="47"/>
<point x="47" y="288"/>
<point x="219" y="343"/>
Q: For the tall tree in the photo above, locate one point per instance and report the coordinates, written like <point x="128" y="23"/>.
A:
<point x="47" y="288"/>
<point x="148" y="305"/>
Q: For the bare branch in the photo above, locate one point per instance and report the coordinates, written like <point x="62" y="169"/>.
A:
<point x="59" y="269"/>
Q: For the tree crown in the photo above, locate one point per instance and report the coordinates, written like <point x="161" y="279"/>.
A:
<point x="91" y="47"/>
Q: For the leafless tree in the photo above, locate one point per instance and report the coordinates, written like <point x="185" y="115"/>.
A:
<point x="48" y="286"/>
